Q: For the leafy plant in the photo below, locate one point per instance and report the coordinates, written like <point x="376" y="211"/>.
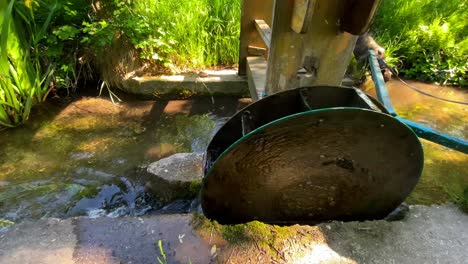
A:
<point x="426" y="39"/>
<point x="22" y="79"/>
<point x="187" y="34"/>
<point x="161" y="251"/>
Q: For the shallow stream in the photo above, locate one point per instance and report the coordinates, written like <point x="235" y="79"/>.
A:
<point x="445" y="174"/>
<point x="85" y="157"/>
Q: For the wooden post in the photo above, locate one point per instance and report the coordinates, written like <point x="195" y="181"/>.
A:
<point x="252" y="10"/>
<point x="320" y="56"/>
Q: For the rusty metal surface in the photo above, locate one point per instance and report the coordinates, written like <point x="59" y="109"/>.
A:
<point x="280" y="105"/>
<point x="304" y="166"/>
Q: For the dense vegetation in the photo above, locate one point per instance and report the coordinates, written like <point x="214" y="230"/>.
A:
<point x="426" y="39"/>
<point x="52" y="44"/>
<point x="47" y="45"/>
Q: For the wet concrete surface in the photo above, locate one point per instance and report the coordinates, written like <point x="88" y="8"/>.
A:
<point x="135" y="240"/>
<point x="435" y="234"/>
<point x="47" y="241"/>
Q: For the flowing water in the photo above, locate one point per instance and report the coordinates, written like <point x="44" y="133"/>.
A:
<point x="86" y="157"/>
<point x="445" y="174"/>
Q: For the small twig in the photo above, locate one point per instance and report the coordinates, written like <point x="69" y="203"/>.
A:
<point x="278" y="253"/>
<point x="211" y="234"/>
<point x="82" y="109"/>
<point x="258" y="247"/>
<point x="232" y="251"/>
<point x="274" y="261"/>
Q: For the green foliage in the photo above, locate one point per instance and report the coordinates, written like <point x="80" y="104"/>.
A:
<point x="5" y="223"/>
<point x="174" y="34"/>
<point x="464" y="200"/>
<point x="61" y="47"/>
<point x="23" y="80"/>
<point x="183" y="33"/>
<point x="161" y="251"/>
<point x="426" y="39"/>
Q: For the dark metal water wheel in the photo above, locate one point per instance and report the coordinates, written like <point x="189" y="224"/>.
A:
<point x="309" y="155"/>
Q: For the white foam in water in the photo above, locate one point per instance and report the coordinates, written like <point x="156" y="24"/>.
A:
<point x="95" y="213"/>
<point x="121" y="211"/>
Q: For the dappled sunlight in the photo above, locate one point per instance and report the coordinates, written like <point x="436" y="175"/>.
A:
<point x="33" y="255"/>
<point x="444" y="177"/>
<point x="322" y="254"/>
<point x="162" y="150"/>
<point x="209" y="79"/>
<point x="178" y="107"/>
<point x="437" y="153"/>
<point x="446" y="117"/>
<point x="97" y="144"/>
<point x="257" y="242"/>
<point x="179" y="78"/>
<point x="70" y="153"/>
<point x="445" y="173"/>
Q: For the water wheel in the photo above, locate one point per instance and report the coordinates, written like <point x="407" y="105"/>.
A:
<point x="308" y="155"/>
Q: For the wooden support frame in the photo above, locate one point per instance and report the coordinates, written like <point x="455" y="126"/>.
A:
<point x="264" y="31"/>
<point x="303" y="11"/>
<point x="252" y="10"/>
<point x="324" y="51"/>
<point x="305" y="40"/>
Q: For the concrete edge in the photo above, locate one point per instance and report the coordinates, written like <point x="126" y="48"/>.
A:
<point x="186" y="85"/>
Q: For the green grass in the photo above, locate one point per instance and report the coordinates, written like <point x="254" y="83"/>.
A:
<point x="184" y="34"/>
<point x="426" y="39"/>
<point x="22" y="79"/>
<point x="199" y="32"/>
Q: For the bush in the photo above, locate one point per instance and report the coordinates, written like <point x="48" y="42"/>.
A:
<point x="173" y="34"/>
<point x="23" y="80"/>
<point x="425" y="39"/>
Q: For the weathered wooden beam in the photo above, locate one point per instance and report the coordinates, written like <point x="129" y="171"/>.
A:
<point x="318" y="57"/>
<point x="303" y="11"/>
<point x="358" y="15"/>
<point x="256" y="51"/>
<point x="256" y="76"/>
<point x="264" y="30"/>
<point x="251" y="10"/>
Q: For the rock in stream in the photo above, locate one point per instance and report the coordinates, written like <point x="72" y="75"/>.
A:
<point x="175" y="177"/>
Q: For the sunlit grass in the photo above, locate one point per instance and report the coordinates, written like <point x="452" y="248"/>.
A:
<point x="22" y="79"/>
<point x="199" y="32"/>
<point x="426" y="39"/>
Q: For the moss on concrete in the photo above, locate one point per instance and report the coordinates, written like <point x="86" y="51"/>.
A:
<point x="194" y="188"/>
<point x="464" y="200"/>
<point x="269" y="239"/>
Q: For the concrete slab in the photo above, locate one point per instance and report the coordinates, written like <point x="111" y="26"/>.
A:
<point x="225" y="82"/>
<point x="435" y="234"/>
<point x="45" y="241"/>
<point x="135" y="240"/>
